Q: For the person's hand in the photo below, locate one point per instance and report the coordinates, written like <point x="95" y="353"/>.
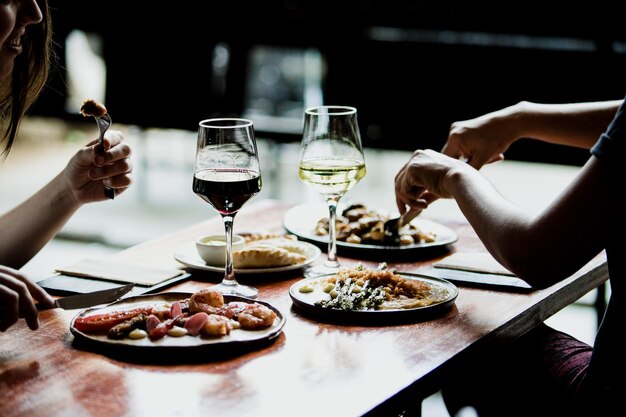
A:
<point x="482" y="140"/>
<point x="17" y="299"/>
<point x="422" y="180"/>
<point x="89" y="170"/>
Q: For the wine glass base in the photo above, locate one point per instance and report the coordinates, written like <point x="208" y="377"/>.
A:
<point x="236" y="289"/>
<point x="318" y="270"/>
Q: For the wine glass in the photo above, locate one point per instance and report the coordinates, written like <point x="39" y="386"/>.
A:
<point x="226" y="175"/>
<point x="331" y="162"/>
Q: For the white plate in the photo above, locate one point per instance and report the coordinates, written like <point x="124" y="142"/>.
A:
<point x="169" y="345"/>
<point x="307" y="301"/>
<point x="188" y="255"/>
<point x="302" y="219"/>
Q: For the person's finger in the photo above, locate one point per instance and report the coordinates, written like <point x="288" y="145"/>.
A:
<point x="116" y="153"/>
<point x="27" y="308"/>
<point x="401" y="204"/>
<point x="119" y="182"/>
<point x="429" y="197"/>
<point x="9" y="309"/>
<point x="112" y="138"/>
<point x="121" y="167"/>
<point x="40" y="294"/>
<point x="22" y="286"/>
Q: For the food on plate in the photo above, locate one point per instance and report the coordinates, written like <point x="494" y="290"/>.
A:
<point x="266" y="257"/>
<point x="360" y="288"/>
<point x="250" y="237"/>
<point x="203" y="314"/>
<point x="360" y="225"/>
<point x="91" y="107"/>
<point x="268" y="250"/>
<point x="103" y="322"/>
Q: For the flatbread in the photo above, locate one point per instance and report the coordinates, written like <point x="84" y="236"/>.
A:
<point x="265" y="257"/>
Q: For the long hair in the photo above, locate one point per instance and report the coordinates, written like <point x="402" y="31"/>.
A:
<point x="30" y="73"/>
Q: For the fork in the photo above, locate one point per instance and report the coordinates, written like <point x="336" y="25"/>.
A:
<point x="104" y="122"/>
<point x="392" y="226"/>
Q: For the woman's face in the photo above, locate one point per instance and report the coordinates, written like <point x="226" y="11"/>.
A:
<point x="15" y="16"/>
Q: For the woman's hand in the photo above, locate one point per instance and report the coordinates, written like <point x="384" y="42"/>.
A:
<point x="89" y="170"/>
<point x="17" y="295"/>
<point x="423" y="179"/>
<point x="482" y="140"/>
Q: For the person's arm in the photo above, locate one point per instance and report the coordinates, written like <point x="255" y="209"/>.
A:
<point x="29" y="226"/>
<point x="485" y="139"/>
<point x="541" y="250"/>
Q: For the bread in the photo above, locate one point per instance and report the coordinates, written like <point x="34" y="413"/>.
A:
<point x="256" y="236"/>
<point x="260" y="256"/>
<point x="92" y="108"/>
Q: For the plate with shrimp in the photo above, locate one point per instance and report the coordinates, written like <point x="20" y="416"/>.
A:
<point x="175" y="322"/>
<point x="360" y="230"/>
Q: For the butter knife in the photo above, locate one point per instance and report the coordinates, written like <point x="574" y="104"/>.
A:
<point x="476" y="279"/>
<point x="73" y="302"/>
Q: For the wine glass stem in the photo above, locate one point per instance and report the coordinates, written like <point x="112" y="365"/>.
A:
<point x="229" y="273"/>
<point x="331" y="260"/>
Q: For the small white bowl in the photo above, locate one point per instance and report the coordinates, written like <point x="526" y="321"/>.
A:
<point x="212" y="248"/>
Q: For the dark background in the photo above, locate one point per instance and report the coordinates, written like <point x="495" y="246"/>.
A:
<point x="407" y="91"/>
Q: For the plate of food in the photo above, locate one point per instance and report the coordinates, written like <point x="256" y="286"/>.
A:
<point x="178" y="322"/>
<point x="262" y="253"/>
<point x="372" y="294"/>
<point x="360" y="228"/>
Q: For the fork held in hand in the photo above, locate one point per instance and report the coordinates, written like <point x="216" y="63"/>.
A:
<point x="104" y="122"/>
<point x="392" y="226"/>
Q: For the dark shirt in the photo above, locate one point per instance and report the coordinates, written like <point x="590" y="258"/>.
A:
<point x="608" y="361"/>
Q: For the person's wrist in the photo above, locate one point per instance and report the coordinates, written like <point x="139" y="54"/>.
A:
<point x="454" y="178"/>
<point x="512" y="122"/>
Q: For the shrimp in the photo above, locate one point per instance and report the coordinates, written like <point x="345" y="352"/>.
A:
<point x="256" y="316"/>
<point x="217" y="326"/>
<point x="233" y="309"/>
<point x="206" y="300"/>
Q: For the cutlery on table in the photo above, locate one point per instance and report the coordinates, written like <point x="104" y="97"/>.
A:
<point x="476" y="279"/>
<point x="103" y="120"/>
<point x="73" y="302"/>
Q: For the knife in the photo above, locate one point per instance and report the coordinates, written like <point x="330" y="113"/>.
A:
<point x="476" y="279"/>
<point x="73" y="302"/>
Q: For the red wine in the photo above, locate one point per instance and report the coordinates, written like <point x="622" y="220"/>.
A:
<point x="226" y="189"/>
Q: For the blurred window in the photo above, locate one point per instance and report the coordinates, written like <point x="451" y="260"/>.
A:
<point x="280" y="84"/>
<point x="86" y="70"/>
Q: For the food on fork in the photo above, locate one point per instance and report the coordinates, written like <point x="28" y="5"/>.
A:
<point x="359" y="225"/>
<point x="91" y="107"/>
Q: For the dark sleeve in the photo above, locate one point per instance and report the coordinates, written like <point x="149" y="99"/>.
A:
<point x="610" y="145"/>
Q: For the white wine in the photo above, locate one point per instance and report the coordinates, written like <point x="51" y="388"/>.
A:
<point x="332" y="177"/>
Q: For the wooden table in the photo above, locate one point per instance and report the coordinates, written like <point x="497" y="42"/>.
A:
<point x="311" y="369"/>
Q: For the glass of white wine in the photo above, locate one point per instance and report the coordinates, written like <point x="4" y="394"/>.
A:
<point x="331" y="162"/>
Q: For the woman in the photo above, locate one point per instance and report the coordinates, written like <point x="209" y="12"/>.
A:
<point x="545" y="372"/>
<point x="25" y="40"/>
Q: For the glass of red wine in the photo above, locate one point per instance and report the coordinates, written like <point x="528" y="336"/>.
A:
<point x="227" y="175"/>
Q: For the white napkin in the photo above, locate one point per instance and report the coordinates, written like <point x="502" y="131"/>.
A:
<point x="474" y="262"/>
<point x="120" y="272"/>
